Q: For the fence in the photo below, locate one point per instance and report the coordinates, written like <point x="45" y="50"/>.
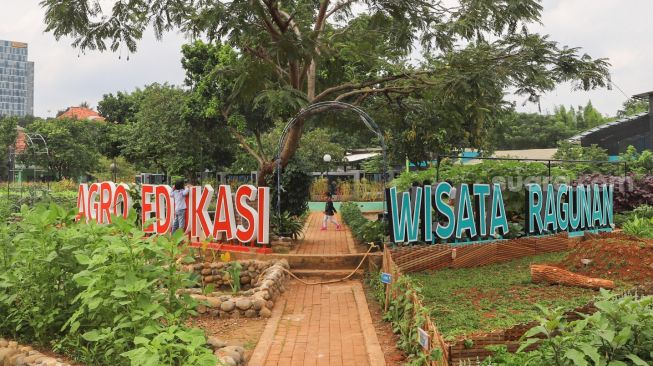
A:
<point x="433" y="257"/>
<point x="392" y="292"/>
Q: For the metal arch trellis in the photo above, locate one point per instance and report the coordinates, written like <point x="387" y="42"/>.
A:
<point x="365" y="118"/>
<point x="37" y="145"/>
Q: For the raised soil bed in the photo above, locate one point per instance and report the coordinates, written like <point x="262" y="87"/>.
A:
<point x="471" y="301"/>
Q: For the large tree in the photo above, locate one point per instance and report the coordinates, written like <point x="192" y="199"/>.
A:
<point x="167" y="136"/>
<point x="345" y="50"/>
<point x="72" y="144"/>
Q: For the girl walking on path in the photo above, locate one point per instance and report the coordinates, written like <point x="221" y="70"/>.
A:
<point x="329" y="211"/>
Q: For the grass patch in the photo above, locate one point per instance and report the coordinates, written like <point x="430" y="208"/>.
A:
<point x="476" y="300"/>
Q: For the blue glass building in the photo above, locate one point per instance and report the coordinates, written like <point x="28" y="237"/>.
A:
<point x="16" y="80"/>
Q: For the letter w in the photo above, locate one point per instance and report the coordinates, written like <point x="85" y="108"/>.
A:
<point x="405" y="218"/>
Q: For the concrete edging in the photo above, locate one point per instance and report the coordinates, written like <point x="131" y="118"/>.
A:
<point x="262" y="349"/>
<point x="374" y="352"/>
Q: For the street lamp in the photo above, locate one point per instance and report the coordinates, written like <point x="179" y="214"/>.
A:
<point x="113" y="167"/>
<point x="327" y="160"/>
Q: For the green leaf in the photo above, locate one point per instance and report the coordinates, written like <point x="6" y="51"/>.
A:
<point x="94" y="336"/>
<point x="591" y="352"/>
<point x="636" y="360"/>
<point x="576" y="356"/>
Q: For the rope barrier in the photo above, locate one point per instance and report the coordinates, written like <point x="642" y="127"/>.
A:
<point x="372" y="246"/>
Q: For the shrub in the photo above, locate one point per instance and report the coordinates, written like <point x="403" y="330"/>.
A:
<point x="103" y="294"/>
<point x="295" y="192"/>
<point x="364" y="230"/>
<point x="619" y="333"/>
<point x="630" y="191"/>
<point x="287" y="225"/>
<point x="639" y="226"/>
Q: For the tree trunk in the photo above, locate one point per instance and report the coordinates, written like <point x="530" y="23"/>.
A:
<point x="287" y="152"/>
<point x="557" y="276"/>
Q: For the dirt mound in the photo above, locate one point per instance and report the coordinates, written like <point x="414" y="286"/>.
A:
<point x="622" y="258"/>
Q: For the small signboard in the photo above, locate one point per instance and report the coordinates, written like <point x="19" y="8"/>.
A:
<point x="423" y="338"/>
<point x="386" y="278"/>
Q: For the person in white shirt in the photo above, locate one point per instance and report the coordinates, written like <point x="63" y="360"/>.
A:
<point x="179" y="197"/>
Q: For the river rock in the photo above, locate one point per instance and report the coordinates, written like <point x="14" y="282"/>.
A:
<point x="251" y="313"/>
<point x="235" y="352"/>
<point x="227" y="306"/>
<point x="213" y="302"/>
<point x="258" y="304"/>
<point x="228" y="361"/>
<point x="265" y="312"/>
<point x="216" y="343"/>
<point x="243" y="303"/>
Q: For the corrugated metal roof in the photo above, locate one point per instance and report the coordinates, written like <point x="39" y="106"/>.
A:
<point x="576" y="139"/>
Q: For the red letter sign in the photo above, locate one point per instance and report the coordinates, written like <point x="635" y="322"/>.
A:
<point x="147" y="193"/>
<point x="243" y="194"/>
<point x="225" y="221"/>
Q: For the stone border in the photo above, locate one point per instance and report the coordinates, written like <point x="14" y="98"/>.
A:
<point x="266" y="282"/>
<point x="13" y="354"/>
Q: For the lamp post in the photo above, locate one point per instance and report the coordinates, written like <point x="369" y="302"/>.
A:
<point x="327" y="160"/>
<point x="113" y="167"/>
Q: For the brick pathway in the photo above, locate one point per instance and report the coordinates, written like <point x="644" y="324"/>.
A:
<point x="321" y="325"/>
<point x="330" y="241"/>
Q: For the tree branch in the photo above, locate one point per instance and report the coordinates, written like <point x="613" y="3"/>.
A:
<point x="242" y="140"/>
<point x="243" y="143"/>
<point x="339" y="6"/>
<point x="261" y="54"/>
<point x="274" y="13"/>
<point x="364" y="84"/>
<point x="321" y="17"/>
<point x="368" y="91"/>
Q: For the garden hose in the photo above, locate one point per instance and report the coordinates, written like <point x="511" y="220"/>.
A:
<point x="372" y="246"/>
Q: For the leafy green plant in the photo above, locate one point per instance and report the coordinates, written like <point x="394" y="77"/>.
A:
<point x="234" y="270"/>
<point x="639" y="226"/>
<point x="287" y="225"/>
<point x="643" y="211"/>
<point x="405" y="318"/>
<point x="103" y="294"/>
<point x="619" y="333"/>
<point x="295" y="189"/>
<point x="364" y="230"/>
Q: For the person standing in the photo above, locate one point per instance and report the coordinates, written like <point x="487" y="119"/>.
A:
<point x="179" y="197"/>
<point x="329" y="212"/>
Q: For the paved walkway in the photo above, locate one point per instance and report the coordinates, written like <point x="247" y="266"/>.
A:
<point x="320" y="325"/>
<point x="326" y="324"/>
<point x="331" y="241"/>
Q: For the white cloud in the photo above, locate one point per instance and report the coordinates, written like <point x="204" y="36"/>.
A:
<point x="603" y="28"/>
<point x="618" y="30"/>
<point x="64" y="77"/>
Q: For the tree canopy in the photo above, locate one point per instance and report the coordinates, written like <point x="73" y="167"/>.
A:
<point x="290" y="54"/>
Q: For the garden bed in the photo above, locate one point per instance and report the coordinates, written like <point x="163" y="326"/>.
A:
<point x="623" y="258"/>
<point x="261" y="282"/>
<point x="471" y="301"/>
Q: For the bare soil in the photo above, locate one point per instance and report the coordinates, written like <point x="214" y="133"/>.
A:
<point x="387" y="339"/>
<point x="244" y="332"/>
<point x="625" y="259"/>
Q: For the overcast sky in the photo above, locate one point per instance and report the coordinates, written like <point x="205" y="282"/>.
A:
<point x="618" y="30"/>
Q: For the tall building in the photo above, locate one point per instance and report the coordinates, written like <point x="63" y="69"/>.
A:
<point x="16" y="80"/>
